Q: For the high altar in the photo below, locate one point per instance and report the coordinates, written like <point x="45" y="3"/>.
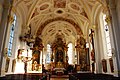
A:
<point x="59" y="54"/>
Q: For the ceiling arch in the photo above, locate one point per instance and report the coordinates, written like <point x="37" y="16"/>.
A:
<point x="42" y="26"/>
<point x="56" y="28"/>
<point x="80" y="14"/>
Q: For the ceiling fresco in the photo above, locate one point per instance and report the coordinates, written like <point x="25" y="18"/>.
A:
<point x="47" y="18"/>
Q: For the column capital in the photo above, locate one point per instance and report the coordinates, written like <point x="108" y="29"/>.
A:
<point x="108" y="19"/>
<point x="93" y="26"/>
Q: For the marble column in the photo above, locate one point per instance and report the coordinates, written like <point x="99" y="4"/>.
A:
<point x="116" y="31"/>
<point x="3" y="28"/>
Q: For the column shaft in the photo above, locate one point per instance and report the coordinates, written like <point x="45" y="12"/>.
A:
<point x="115" y="29"/>
<point x="3" y="29"/>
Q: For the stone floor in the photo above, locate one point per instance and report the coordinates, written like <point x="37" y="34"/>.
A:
<point x="62" y="77"/>
<point x="59" y="78"/>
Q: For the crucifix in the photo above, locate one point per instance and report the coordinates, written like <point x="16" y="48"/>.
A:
<point x="93" y="50"/>
<point x="92" y="42"/>
<point x="26" y="60"/>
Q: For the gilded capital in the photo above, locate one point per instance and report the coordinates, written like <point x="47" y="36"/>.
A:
<point x="94" y="27"/>
<point x="108" y="19"/>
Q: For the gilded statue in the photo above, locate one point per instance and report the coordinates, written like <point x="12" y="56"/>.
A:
<point x="59" y="65"/>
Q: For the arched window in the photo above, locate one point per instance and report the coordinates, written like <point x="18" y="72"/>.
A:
<point x="107" y="37"/>
<point x="48" y="55"/>
<point x="70" y="53"/>
<point x="12" y="29"/>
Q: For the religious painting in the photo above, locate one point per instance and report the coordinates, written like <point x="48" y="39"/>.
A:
<point x="35" y="66"/>
<point x="104" y="65"/>
<point x="83" y="59"/>
<point x="7" y="64"/>
<point x="59" y="3"/>
<point x="59" y="56"/>
<point x="36" y="56"/>
<point x="13" y="65"/>
<point x="111" y="65"/>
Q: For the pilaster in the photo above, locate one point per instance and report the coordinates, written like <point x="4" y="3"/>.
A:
<point x="116" y="31"/>
<point x="3" y="28"/>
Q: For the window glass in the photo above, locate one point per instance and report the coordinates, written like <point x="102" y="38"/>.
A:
<point x="107" y="36"/>
<point x="70" y="51"/>
<point x="12" y="27"/>
<point x="48" y="55"/>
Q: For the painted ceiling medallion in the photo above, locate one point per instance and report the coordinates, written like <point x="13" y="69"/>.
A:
<point x="59" y="3"/>
<point x="74" y="6"/>
<point x="44" y="6"/>
<point x="76" y="26"/>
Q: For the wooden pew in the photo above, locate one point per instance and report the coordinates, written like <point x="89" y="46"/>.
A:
<point x="27" y="76"/>
<point x="92" y="76"/>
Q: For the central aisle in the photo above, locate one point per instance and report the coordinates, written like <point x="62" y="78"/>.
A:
<point x="63" y="77"/>
<point x="59" y="78"/>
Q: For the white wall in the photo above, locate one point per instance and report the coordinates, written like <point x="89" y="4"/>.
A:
<point x="16" y="44"/>
<point x="101" y="49"/>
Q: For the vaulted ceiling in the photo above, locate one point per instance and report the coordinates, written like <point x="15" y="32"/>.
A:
<point x="51" y="18"/>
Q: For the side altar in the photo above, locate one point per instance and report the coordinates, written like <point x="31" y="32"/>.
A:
<point x="29" y="62"/>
